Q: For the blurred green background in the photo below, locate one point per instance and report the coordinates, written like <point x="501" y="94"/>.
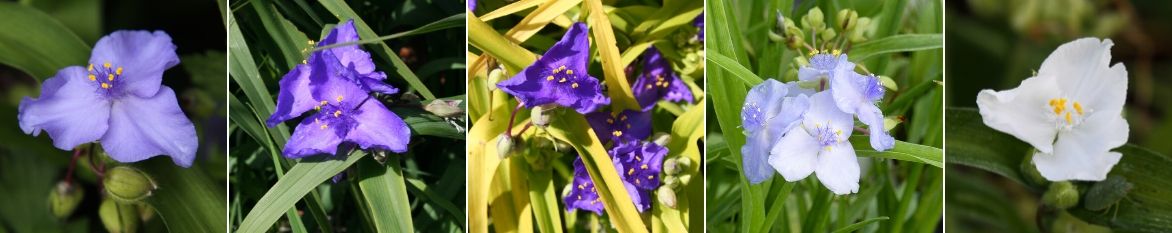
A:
<point x="30" y="166"/>
<point x="995" y="44"/>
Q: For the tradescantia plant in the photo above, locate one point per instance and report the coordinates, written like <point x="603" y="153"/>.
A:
<point x="590" y="124"/>
<point x="840" y="100"/>
<point x="336" y="130"/>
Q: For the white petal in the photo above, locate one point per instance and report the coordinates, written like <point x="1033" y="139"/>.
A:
<point x="1021" y="111"/>
<point x="795" y="155"/>
<point x="838" y="169"/>
<point x="1075" y="164"/>
<point x="823" y="112"/>
<point x="1082" y="72"/>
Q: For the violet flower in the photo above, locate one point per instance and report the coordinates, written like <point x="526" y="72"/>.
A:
<point x="559" y="76"/>
<point x="296" y="83"/>
<point x="625" y="126"/>
<point x="658" y="81"/>
<point x="771" y="109"/>
<point x="639" y="164"/>
<point x="118" y="100"/>
<point x="583" y="194"/>
<point x="699" y="23"/>
<point x="345" y="114"/>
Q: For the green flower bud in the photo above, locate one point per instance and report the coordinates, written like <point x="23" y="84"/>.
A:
<point x="814" y="20"/>
<point x="661" y="138"/>
<point x="495" y="76"/>
<point x="128" y="185"/>
<point x="847" y="20"/>
<point x="1029" y="171"/>
<point x="118" y="217"/>
<point x="667" y="196"/>
<point x="685" y="179"/>
<point x="671" y="167"/>
<point x="684" y="162"/>
<point x="1061" y="195"/>
<point x="445" y="108"/>
<point x="671" y="181"/>
<point x="862" y="30"/>
<point x="828" y="35"/>
<point x="781" y="22"/>
<point x="64" y="199"/>
<point x="504" y="145"/>
<point x="540" y="115"/>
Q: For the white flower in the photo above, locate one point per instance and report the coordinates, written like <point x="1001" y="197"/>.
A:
<point x="819" y="145"/>
<point x="1071" y="111"/>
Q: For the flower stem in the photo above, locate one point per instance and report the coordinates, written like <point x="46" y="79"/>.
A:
<point x="72" y="165"/>
<point x="513" y="117"/>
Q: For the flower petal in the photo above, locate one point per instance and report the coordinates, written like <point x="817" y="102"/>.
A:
<point x="795" y="155"/>
<point x="143" y="55"/>
<point x="1081" y="68"/>
<point x="1083" y="152"/>
<point x="823" y="112"/>
<point x="142" y="128"/>
<point x="379" y="128"/>
<point x="69" y="110"/>
<point x="294" y="97"/>
<point x="755" y="156"/>
<point x="1021" y="111"/>
<point x="762" y="103"/>
<point x="678" y="90"/>
<point x="310" y="138"/>
<point x="870" y="115"/>
<point x="838" y="169"/>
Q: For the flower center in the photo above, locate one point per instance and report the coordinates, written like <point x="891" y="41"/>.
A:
<point x="619" y="127"/>
<point x="751" y="114"/>
<point x="1066" y="114"/>
<point x="826" y="136"/>
<point x="659" y="82"/>
<point x="331" y="114"/>
<point x="106" y="76"/>
<point x="872" y="89"/>
<point x="563" y="76"/>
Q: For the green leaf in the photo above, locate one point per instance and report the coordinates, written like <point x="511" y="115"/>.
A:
<point x="905" y="151"/>
<point x="36" y="43"/>
<point x="386" y="194"/>
<point x="973" y="144"/>
<point x="288" y="40"/>
<point x="572" y="128"/>
<point x="446" y="23"/>
<point x="894" y="44"/>
<point x="295" y="184"/>
<point x="735" y="68"/>
<point x="187" y="199"/>
<point x="859" y="225"/>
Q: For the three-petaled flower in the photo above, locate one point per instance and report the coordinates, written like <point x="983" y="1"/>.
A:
<point x="1071" y="111"/>
<point x="771" y="109"/>
<point x="820" y="145"/>
<point x="638" y="163"/>
<point x="624" y="126"/>
<point x="658" y="81"/>
<point x="335" y="85"/>
<point x="118" y="100"/>
<point x="559" y="76"/>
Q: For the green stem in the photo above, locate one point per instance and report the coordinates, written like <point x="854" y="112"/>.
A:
<point x="781" y="192"/>
<point x="541" y="196"/>
<point x="905" y="200"/>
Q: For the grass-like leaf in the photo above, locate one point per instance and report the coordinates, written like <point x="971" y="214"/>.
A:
<point x="386" y="194"/>
<point x="894" y="44"/>
<point x="735" y="68"/>
<point x="36" y="43"/>
<point x="294" y="185"/>
<point x="187" y="199"/>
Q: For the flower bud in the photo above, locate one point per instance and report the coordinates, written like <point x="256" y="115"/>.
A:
<point x="862" y="30"/>
<point x="540" y="115"/>
<point x="828" y="35"/>
<point x="661" y="139"/>
<point x="504" y="145"/>
<point x="671" y="167"/>
<point x="814" y="20"/>
<point x="847" y="20"/>
<point x="1061" y="195"/>
<point x="128" y="185"/>
<point x="667" y="196"/>
<point x="445" y="108"/>
<point x="118" y="217"/>
<point x="685" y="179"/>
<point x="684" y="163"/>
<point x="671" y="181"/>
<point x="64" y="199"/>
<point x="495" y="76"/>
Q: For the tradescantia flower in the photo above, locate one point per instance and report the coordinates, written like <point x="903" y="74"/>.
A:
<point x="699" y="23"/>
<point x="1071" y="111"/>
<point x="118" y="100"/>
<point x="853" y="93"/>
<point x="639" y="164"/>
<point x="625" y="126"/>
<point x="344" y="115"/>
<point x="296" y="83"/>
<point x="559" y="76"/>
<point x="768" y="113"/>
<point x="658" y="81"/>
<point x="819" y="145"/>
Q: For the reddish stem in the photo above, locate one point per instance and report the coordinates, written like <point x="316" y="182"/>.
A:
<point x="513" y="117"/>
<point x="72" y="165"/>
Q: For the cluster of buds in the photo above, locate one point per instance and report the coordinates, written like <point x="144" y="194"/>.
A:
<point x="848" y="26"/>
<point x="674" y="178"/>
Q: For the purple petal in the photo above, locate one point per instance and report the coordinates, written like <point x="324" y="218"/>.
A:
<point x="313" y="137"/>
<point x="141" y="128"/>
<point x="599" y="123"/>
<point x="69" y="109"/>
<point x="294" y="97"/>
<point x="634" y="124"/>
<point x="572" y="87"/>
<point x="379" y="128"/>
<point x="678" y="90"/>
<point x="143" y="56"/>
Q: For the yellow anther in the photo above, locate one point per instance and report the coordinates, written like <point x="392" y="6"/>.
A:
<point x="836" y="52"/>
<point x="623" y="118"/>
<point x="105" y="86"/>
<point x="637" y="181"/>
<point x="118" y="71"/>
<point x="91" y="67"/>
<point x="650" y="177"/>
<point x="110" y="77"/>
<point x="644" y="167"/>
<point x="610" y="120"/>
<point x="617" y="133"/>
<point x="630" y="172"/>
<point x="550" y="78"/>
<point x="581" y="186"/>
<point x="562" y="67"/>
<point x="562" y="80"/>
<point x="579" y="197"/>
<point x="92" y="78"/>
<point x="570" y="72"/>
<point x="323" y="103"/>
<point x="318" y="108"/>
<point x="574" y="85"/>
<point x="107" y="65"/>
<point x="1068" y="121"/>
<point x="1078" y="107"/>
<point x="324" y="126"/>
<point x="339" y="99"/>
<point x="303" y="61"/>
<point x="648" y="86"/>
<point x="337" y="113"/>
<point x="637" y="158"/>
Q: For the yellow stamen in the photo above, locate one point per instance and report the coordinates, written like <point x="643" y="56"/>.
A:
<point x="107" y="65"/>
<point x="105" y="86"/>
<point x="323" y="102"/>
<point x="91" y="68"/>
<point x="118" y="71"/>
<point x="617" y="133"/>
<point x="579" y="197"/>
<point x="92" y="78"/>
<point x="318" y="108"/>
<point x="1078" y="107"/>
<point x="644" y="167"/>
<point x="650" y="177"/>
<point x="648" y="86"/>
<point x="339" y="98"/>
<point x="637" y="158"/>
<point x="110" y="77"/>
<point x="581" y="186"/>
<point x="324" y="126"/>
<point x="630" y="172"/>
<point x="337" y="113"/>
<point x="562" y="80"/>
<point x="610" y="121"/>
<point x="624" y="118"/>
<point x="550" y="78"/>
<point x="836" y="52"/>
<point x="574" y="85"/>
<point x="570" y="72"/>
<point x="1068" y="121"/>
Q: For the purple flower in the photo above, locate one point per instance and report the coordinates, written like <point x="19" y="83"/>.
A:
<point x="699" y="23"/>
<point x="583" y="194"/>
<point x="771" y="109"/>
<point x="472" y="5"/>
<point x="559" y="76"/>
<point x="639" y="164"/>
<point x="625" y="126"/>
<point x="296" y="83"/>
<point x="118" y="100"/>
<point x="819" y="145"/>
<point x="344" y="115"/>
<point x="856" y="94"/>
<point x="658" y="81"/>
